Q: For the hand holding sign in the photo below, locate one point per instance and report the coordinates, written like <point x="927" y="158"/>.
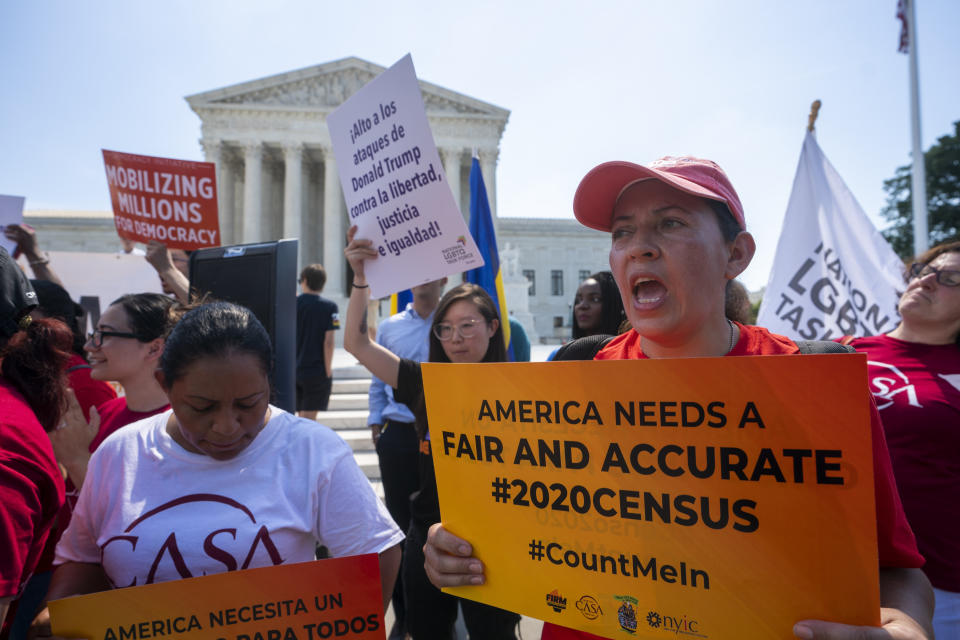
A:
<point x="394" y="185"/>
<point x="449" y="561"/>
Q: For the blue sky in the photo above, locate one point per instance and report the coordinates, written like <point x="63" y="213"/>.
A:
<point x="728" y="80"/>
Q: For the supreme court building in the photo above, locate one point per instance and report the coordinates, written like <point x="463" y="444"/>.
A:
<point x="277" y="178"/>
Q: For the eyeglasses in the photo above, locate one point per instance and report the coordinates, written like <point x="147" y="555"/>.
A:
<point x="96" y="338"/>
<point x="946" y="277"/>
<point x="467" y="329"/>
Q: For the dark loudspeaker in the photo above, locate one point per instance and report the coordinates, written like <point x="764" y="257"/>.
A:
<point x="263" y="278"/>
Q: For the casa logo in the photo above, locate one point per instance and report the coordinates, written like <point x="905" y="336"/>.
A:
<point x="677" y="625"/>
<point x="556" y="602"/>
<point x="627" y="613"/>
<point x="589" y="607"/>
<point x="462" y="240"/>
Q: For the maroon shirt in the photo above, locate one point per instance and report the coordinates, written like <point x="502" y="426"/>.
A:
<point x="917" y="389"/>
<point x="31" y="490"/>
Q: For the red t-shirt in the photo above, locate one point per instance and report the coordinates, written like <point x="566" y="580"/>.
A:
<point x="115" y="414"/>
<point x="896" y="545"/>
<point x="31" y="490"/>
<point x="917" y="389"/>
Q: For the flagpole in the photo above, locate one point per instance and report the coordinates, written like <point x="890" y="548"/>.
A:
<point x="919" y="182"/>
<point x="814" y="112"/>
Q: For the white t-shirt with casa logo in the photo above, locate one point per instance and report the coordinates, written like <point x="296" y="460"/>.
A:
<point x="150" y="511"/>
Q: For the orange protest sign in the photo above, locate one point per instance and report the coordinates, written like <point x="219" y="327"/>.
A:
<point x="708" y="498"/>
<point x="334" y="598"/>
<point x="171" y="201"/>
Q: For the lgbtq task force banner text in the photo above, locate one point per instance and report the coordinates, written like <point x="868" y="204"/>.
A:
<point x="333" y="598"/>
<point x="163" y="199"/>
<point x="710" y="497"/>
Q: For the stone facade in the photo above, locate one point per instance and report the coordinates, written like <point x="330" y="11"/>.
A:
<point x="277" y="179"/>
<point x="275" y="169"/>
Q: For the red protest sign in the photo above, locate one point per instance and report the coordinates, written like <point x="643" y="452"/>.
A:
<point x="171" y="201"/>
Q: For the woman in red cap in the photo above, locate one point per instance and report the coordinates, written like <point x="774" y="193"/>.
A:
<point x="678" y="236"/>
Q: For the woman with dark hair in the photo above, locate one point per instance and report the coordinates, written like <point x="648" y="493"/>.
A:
<point x="125" y="347"/>
<point x="466" y="329"/>
<point x="237" y="482"/>
<point x="32" y="399"/>
<point x="914" y="374"/>
<point x="597" y="307"/>
<point x="84" y="395"/>
<point x="677" y="236"/>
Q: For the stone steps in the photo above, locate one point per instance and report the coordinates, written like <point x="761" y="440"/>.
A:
<point x="347" y="415"/>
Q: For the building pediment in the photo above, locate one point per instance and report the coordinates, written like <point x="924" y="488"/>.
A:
<point x="326" y="86"/>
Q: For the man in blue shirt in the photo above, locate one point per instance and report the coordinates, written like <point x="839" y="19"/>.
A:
<point x="391" y="423"/>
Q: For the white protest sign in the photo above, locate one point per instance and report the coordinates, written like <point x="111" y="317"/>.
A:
<point x="11" y="212"/>
<point x="833" y="274"/>
<point x="394" y="185"/>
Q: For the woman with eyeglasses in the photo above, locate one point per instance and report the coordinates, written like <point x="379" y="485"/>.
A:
<point x="914" y="375"/>
<point x="466" y="329"/>
<point x="125" y="347"/>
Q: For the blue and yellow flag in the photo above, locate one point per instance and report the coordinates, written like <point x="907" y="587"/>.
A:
<point x="481" y="228"/>
<point x="399" y="300"/>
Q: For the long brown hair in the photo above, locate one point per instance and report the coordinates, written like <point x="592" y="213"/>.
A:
<point x="496" y="350"/>
<point x="34" y="359"/>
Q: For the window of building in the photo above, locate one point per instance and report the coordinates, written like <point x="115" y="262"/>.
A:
<point x="531" y="277"/>
<point x="584" y="274"/>
<point x="556" y="282"/>
<point x="557" y="322"/>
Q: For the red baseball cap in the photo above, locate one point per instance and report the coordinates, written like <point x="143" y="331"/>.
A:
<point x="601" y="188"/>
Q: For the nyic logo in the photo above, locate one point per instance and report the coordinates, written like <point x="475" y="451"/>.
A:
<point x="556" y="602"/>
<point x="589" y="607"/>
<point x="681" y="625"/>
<point x="627" y="613"/>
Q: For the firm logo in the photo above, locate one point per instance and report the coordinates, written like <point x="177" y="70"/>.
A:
<point x="556" y="602"/>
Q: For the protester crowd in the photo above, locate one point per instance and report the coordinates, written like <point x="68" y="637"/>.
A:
<point x="79" y="462"/>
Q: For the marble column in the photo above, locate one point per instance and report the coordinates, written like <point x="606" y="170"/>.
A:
<point x="292" y="190"/>
<point x="229" y="216"/>
<point x="334" y="234"/>
<point x="252" y="191"/>
<point x="488" y="167"/>
<point x="451" y="167"/>
<point x="213" y="152"/>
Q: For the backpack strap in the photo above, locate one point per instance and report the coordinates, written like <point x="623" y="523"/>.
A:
<point x="77" y="367"/>
<point x="583" y="348"/>
<point x="823" y="346"/>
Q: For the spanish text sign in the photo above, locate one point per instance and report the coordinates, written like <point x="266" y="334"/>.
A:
<point x="710" y="498"/>
<point x="171" y="201"/>
<point x="395" y="187"/>
<point x="338" y="597"/>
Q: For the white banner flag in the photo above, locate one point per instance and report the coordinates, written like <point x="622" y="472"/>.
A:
<point x="833" y="274"/>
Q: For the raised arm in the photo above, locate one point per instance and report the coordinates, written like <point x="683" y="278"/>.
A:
<point x="160" y="259"/>
<point x="380" y="361"/>
<point x="26" y="239"/>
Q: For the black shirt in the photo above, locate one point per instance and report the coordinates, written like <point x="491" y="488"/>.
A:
<point x="424" y="503"/>
<point x="315" y="316"/>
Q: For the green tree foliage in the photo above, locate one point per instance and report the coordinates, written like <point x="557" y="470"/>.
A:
<point x="942" y="165"/>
